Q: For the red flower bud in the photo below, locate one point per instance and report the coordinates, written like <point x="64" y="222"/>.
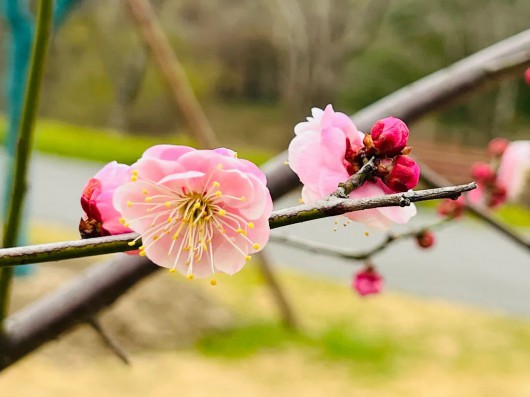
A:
<point x="497" y="196"/>
<point x="497" y="146"/>
<point x="483" y="173"/>
<point x="527" y="76"/>
<point x="452" y="208"/>
<point x="390" y="136"/>
<point x="425" y="239"/>
<point x="404" y="174"/>
<point x="367" y="281"/>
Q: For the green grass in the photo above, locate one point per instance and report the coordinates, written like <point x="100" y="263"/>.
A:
<point x="87" y="143"/>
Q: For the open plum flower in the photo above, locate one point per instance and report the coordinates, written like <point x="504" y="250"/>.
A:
<point x="319" y="154"/>
<point x="197" y="211"/>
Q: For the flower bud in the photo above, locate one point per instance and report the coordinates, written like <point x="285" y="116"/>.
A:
<point x="367" y="281"/>
<point x="497" y="146"/>
<point x="482" y="173"/>
<point x="404" y="174"/>
<point x="452" y="208"/>
<point x="390" y="136"/>
<point x="425" y="239"/>
<point x="497" y="196"/>
<point x="527" y="76"/>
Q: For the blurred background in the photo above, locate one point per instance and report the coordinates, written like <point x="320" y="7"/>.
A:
<point x="454" y="320"/>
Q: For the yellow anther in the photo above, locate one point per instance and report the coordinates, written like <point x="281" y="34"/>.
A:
<point x="134" y="178"/>
<point x="366" y="234"/>
<point x="167" y="203"/>
<point x="216" y="184"/>
<point x="222" y="212"/>
<point x="145" y="192"/>
<point x="196" y="206"/>
<point x="148" y="199"/>
<point x="122" y="221"/>
<point x="155" y="237"/>
<point x="135" y="172"/>
<point x="218" y="193"/>
<point x="248" y="257"/>
<point x="213" y="282"/>
<point x="131" y="243"/>
<point x="142" y="253"/>
<point x="169" y="219"/>
<point x="172" y="270"/>
<point x="220" y="166"/>
<point x="301" y="200"/>
<point x="141" y="247"/>
<point x="175" y="236"/>
<point x="250" y="225"/>
<point x="243" y="198"/>
<point x="256" y="246"/>
<point x="149" y="210"/>
<point x="190" y="277"/>
<point x="129" y="203"/>
<point x="126" y="224"/>
<point x="286" y="163"/>
<point x="235" y="155"/>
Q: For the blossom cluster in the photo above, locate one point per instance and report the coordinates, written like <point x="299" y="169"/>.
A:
<point x="198" y="211"/>
<point x="328" y="149"/>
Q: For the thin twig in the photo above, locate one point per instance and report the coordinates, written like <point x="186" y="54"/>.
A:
<point x="109" y="341"/>
<point x="289" y="216"/>
<point x="324" y="249"/>
<point x="356" y="180"/>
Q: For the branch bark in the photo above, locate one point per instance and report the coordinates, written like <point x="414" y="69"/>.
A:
<point x="331" y="206"/>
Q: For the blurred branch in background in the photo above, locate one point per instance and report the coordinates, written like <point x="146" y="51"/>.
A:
<point x="20" y="165"/>
<point x="103" y="284"/>
<point x="172" y="71"/>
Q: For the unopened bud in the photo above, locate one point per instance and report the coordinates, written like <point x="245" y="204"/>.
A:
<point x="404" y="175"/>
<point x="527" y="76"/>
<point x="367" y="281"/>
<point x="390" y="136"/>
<point x="452" y="208"/>
<point x="425" y="239"/>
<point x="482" y="173"/>
<point x="497" y="146"/>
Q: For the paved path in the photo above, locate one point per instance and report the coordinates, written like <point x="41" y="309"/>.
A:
<point x="470" y="263"/>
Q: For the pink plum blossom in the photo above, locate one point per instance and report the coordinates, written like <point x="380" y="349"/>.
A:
<point x="390" y="135"/>
<point x="319" y="154"/>
<point x="367" y="281"/>
<point x="483" y="173"/>
<point x="198" y="211"/>
<point x="514" y="169"/>
<point x="100" y="218"/>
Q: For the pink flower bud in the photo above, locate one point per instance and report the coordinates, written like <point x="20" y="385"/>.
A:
<point x="425" y="239"/>
<point x="497" y="196"/>
<point x="367" y="281"/>
<point x="390" y="135"/>
<point x="497" y="146"/>
<point x="527" y="76"/>
<point x="404" y="175"/>
<point x="452" y="208"/>
<point x="482" y="173"/>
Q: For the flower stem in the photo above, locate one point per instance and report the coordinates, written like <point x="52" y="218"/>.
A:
<point x="24" y="143"/>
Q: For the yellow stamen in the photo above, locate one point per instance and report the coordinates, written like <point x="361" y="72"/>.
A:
<point x="235" y="155"/>
<point x="196" y="206"/>
<point x="220" y="166"/>
<point x="169" y="219"/>
<point x="248" y="257"/>
<point x="167" y="203"/>
<point x="141" y="247"/>
<point x="131" y="243"/>
<point x="190" y="277"/>
<point x="145" y="192"/>
<point x="129" y="203"/>
<point x="218" y="193"/>
<point x="122" y="221"/>
<point x="366" y="234"/>
<point x="301" y="200"/>
<point x="213" y="282"/>
<point x="135" y="172"/>
<point x="222" y="212"/>
<point x="172" y="270"/>
<point x="148" y="199"/>
<point x="134" y="178"/>
<point x="286" y="162"/>
<point x="142" y="253"/>
<point x="256" y="246"/>
<point x="243" y="198"/>
<point x="155" y="237"/>
<point x="250" y="225"/>
<point x="216" y="184"/>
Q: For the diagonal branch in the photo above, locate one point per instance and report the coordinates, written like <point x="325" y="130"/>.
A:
<point x="331" y="206"/>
